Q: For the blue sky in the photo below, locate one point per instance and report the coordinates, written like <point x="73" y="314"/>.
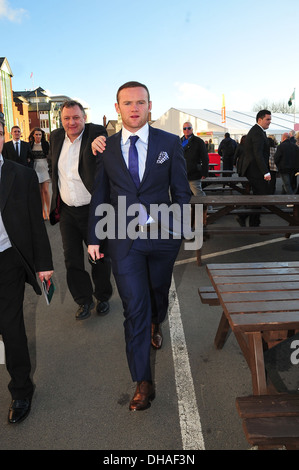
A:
<point x="188" y="53"/>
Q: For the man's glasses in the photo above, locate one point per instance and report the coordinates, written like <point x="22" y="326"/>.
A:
<point x="185" y="128"/>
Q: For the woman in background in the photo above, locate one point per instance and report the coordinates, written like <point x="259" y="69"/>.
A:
<point x="40" y="150"/>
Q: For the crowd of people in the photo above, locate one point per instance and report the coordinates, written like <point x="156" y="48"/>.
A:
<point x="88" y="170"/>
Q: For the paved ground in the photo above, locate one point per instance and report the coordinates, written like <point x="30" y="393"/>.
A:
<point x="83" y="386"/>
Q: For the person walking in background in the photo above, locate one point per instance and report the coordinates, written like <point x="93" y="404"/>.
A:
<point x="272" y="167"/>
<point x="238" y="161"/>
<point x="227" y="150"/>
<point x="144" y="166"/>
<point x="24" y="250"/>
<point x="197" y="159"/>
<point x="73" y="170"/>
<point x="255" y="164"/>
<point x="40" y="151"/>
<point x="239" y="154"/>
<point x="287" y="160"/>
<point x="18" y="150"/>
<point x="292" y="136"/>
<point x="211" y="146"/>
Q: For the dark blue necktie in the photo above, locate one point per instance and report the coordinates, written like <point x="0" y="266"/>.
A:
<point x="133" y="160"/>
<point x="134" y="170"/>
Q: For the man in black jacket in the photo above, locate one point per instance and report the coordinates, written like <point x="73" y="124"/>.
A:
<point x="286" y="158"/>
<point x="73" y="169"/>
<point x="24" y="251"/>
<point x="18" y="150"/>
<point x="227" y="150"/>
<point x="255" y="164"/>
<point x="197" y="159"/>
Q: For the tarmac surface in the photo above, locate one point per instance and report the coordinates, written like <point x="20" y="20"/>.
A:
<point x="83" y="385"/>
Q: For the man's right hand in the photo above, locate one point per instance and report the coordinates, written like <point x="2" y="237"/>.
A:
<point x="94" y="252"/>
<point x="99" y="144"/>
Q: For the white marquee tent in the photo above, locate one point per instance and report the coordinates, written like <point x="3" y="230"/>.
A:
<point x="208" y="124"/>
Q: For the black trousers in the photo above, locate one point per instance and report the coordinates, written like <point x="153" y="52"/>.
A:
<point x="260" y="187"/>
<point x="12" y="328"/>
<point x="73" y="228"/>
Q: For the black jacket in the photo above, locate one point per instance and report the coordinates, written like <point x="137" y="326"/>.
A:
<point x="197" y="158"/>
<point x="286" y="157"/>
<point x="87" y="162"/>
<point x="21" y="211"/>
<point x="26" y="156"/>
<point x="255" y="162"/>
<point x="227" y="147"/>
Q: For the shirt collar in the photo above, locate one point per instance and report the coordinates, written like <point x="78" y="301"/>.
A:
<point x="262" y="128"/>
<point x="142" y="133"/>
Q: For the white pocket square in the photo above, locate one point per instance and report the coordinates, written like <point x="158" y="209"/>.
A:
<point x="163" y="156"/>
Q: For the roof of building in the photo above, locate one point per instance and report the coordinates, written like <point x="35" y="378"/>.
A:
<point x="5" y="65"/>
<point x="38" y="92"/>
<point x="242" y="119"/>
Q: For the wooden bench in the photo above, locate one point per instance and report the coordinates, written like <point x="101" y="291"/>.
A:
<point x="270" y="421"/>
<point x="208" y="295"/>
<point x="262" y="229"/>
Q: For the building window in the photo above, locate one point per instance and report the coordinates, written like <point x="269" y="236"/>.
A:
<point x="6" y="99"/>
<point x="44" y="123"/>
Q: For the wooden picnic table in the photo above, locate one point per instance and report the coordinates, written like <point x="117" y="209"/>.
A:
<point x="260" y="303"/>
<point x="234" y="182"/>
<point x="222" y="172"/>
<point x="225" y="204"/>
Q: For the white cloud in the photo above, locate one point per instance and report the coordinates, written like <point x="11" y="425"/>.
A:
<point x="191" y="95"/>
<point x="12" y="14"/>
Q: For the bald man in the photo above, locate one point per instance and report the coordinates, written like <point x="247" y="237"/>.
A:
<point x="197" y="159"/>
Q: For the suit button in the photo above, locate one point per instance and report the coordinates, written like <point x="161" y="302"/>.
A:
<point x="138" y="194"/>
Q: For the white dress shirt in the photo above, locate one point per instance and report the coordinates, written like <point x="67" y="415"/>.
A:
<point x="141" y="146"/>
<point x="4" y="239"/>
<point x="71" y="187"/>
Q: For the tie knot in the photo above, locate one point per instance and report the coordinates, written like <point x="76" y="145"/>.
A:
<point x="133" y="139"/>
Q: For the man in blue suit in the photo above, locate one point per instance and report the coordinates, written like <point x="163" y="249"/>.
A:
<point x="143" y="257"/>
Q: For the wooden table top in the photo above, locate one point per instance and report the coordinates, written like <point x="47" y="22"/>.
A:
<point x="258" y="296"/>
<point x="225" y="179"/>
<point x="248" y="199"/>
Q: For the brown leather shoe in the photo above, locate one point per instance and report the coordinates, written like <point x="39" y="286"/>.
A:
<point x="143" y="396"/>
<point x="157" y="337"/>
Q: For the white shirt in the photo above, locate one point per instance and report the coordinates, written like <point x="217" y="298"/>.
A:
<point x="71" y="188"/>
<point x="141" y="146"/>
<point x="4" y="239"/>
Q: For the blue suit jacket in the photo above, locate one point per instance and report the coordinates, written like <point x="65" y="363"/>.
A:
<point x="162" y="183"/>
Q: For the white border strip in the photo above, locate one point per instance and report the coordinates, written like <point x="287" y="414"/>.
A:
<point x="192" y="437"/>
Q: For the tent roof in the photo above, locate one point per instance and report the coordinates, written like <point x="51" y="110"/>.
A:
<point x="242" y="120"/>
